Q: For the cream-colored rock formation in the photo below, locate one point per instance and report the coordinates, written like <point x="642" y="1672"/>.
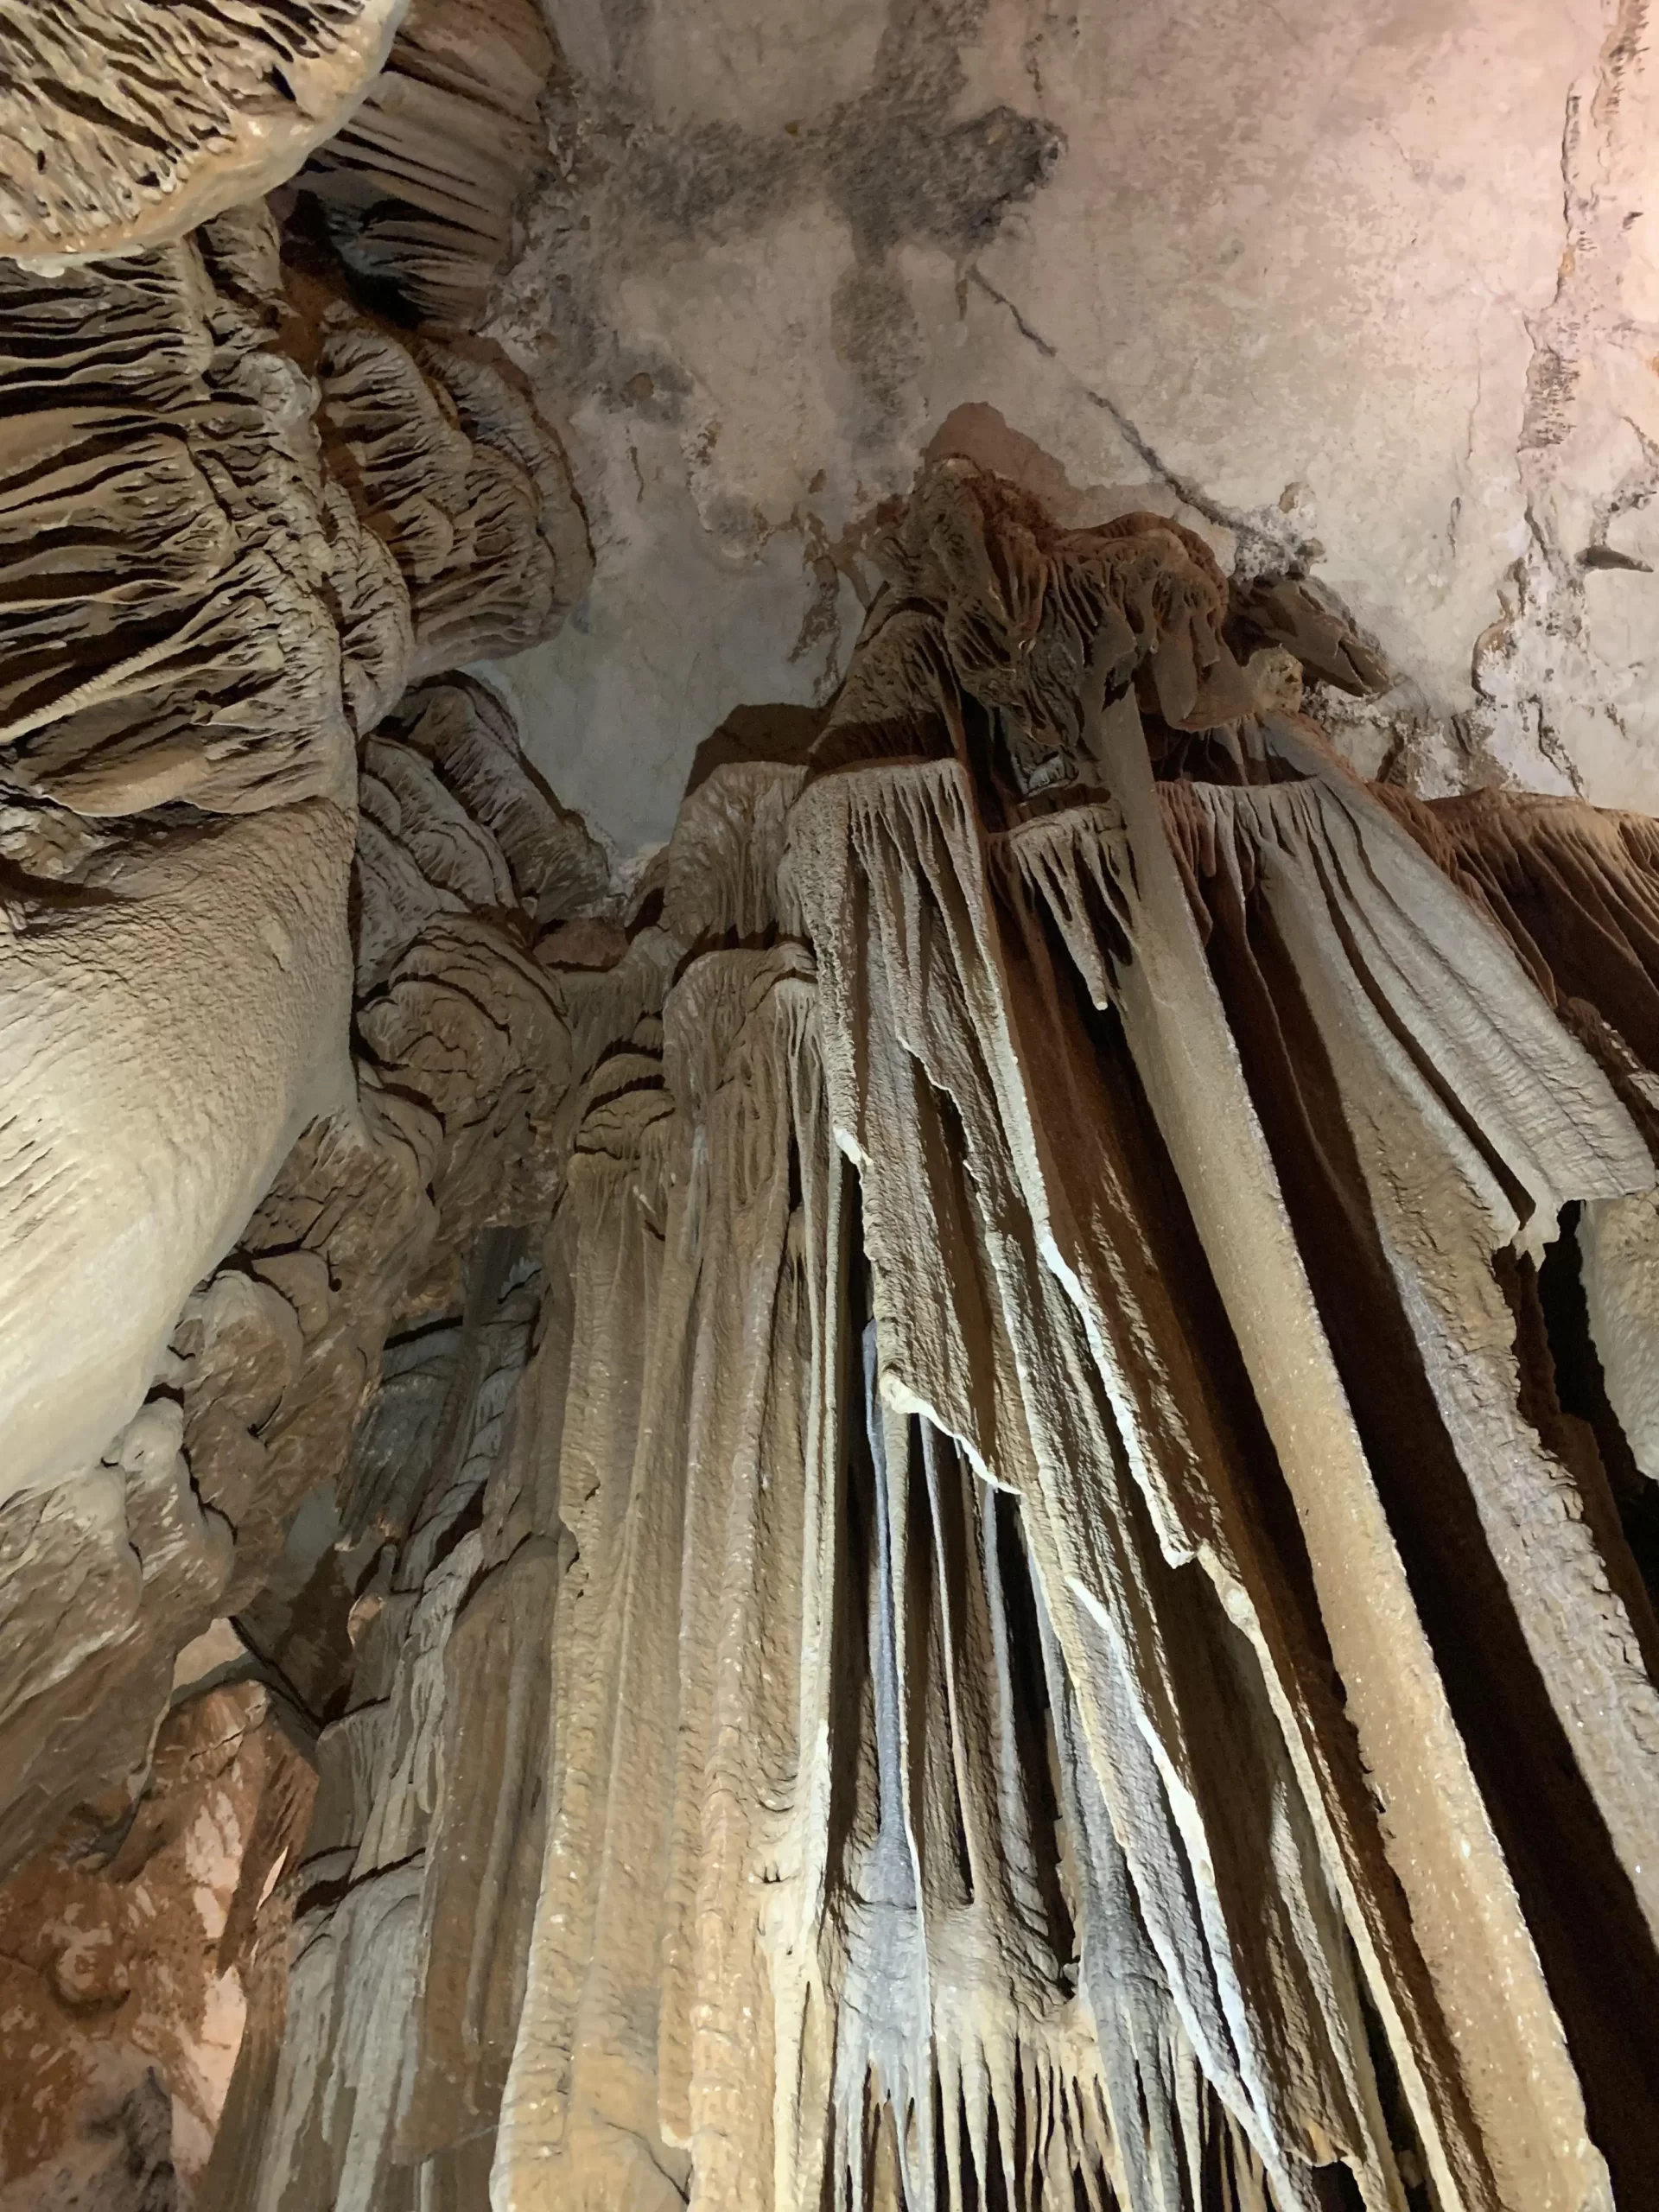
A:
<point x="940" y="1498"/>
<point x="126" y="123"/>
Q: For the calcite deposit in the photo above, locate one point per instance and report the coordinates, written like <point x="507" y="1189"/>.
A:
<point x="941" y="1497"/>
<point x="126" y="123"/>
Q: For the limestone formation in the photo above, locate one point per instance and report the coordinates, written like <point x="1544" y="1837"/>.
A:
<point x="126" y="125"/>
<point x="285" y="515"/>
<point x="243" y="516"/>
<point x="418" y="189"/>
<point x="942" y="1498"/>
<point x="1017" y="1585"/>
<point x="128" y="1986"/>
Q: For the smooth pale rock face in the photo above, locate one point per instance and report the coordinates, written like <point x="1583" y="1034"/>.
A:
<point x="126" y="1173"/>
<point x="1367" y="289"/>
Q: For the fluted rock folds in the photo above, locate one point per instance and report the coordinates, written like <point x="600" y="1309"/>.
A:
<point x="123" y="126"/>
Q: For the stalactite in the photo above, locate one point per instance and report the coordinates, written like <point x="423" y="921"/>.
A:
<point x="419" y="187"/>
<point x="1172" y="1159"/>
<point x="228" y="664"/>
<point x="241" y="515"/>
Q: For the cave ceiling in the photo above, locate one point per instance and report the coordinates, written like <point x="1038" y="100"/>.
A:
<point x="1333" y="283"/>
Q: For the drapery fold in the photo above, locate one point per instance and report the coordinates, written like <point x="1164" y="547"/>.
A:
<point x="1084" y="1458"/>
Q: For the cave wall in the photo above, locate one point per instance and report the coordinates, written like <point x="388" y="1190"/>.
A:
<point x="277" y="1047"/>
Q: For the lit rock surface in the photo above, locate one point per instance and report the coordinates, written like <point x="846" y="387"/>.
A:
<point x="943" y="1494"/>
<point x="124" y="1969"/>
<point x="228" y="565"/>
<point x="125" y="122"/>
<point x="1376" y="294"/>
<point x="1033" y="1537"/>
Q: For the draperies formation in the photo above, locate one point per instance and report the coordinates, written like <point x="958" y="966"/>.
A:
<point x="1099" y="1653"/>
